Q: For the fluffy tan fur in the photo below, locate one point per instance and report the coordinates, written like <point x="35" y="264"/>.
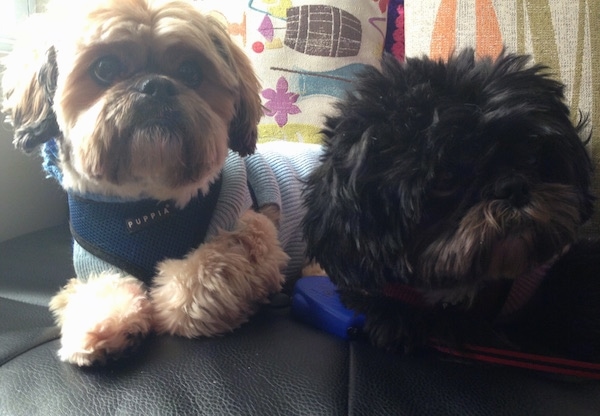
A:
<point x="214" y="289"/>
<point x="89" y="78"/>
<point x="100" y="317"/>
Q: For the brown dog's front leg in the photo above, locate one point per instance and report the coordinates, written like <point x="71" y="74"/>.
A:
<point x="216" y="287"/>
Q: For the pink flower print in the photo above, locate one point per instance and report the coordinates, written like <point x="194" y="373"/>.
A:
<point x="281" y="102"/>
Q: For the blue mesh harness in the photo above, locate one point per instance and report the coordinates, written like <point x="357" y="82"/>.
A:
<point x="135" y="236"/>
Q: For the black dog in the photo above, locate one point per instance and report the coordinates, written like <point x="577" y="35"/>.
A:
<point x="448" y="206"/>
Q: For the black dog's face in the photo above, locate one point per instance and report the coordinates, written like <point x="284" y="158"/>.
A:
<point x="446" y="176"/>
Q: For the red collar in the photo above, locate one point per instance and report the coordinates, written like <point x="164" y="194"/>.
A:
<point x="405" y="294"/>
<point x="523" y="288"/>
<point x="521" y="291"/>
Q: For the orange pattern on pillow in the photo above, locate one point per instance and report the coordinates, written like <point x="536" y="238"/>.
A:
<point x="488" y="38"/>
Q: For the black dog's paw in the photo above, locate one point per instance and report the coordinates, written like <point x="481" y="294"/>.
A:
<point x="389" y="325"/>
<point x="393" y="334"/>
<point x="408" y="329"/>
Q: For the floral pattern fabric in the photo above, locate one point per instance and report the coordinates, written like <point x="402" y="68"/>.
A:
<point x="305" y="52"/>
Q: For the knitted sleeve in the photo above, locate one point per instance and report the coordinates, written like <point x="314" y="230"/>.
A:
<point x="234" y="198"/>
<point x="277" y="173"/>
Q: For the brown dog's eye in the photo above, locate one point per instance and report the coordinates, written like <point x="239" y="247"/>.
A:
<point x="106" y="70"/>
<point x="190" y="73"/>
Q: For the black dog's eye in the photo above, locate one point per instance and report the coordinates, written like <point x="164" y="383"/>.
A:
<point x="106" y="70"/>
<point x="531" y="160"/>
<point x="445" y="180"/>
<point x="190" y="73"/>
<point x="444" y="185"/>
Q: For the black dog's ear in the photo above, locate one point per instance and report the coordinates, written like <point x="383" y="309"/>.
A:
<point x="28" y="91"/>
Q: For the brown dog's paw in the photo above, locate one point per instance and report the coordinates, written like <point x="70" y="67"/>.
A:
<point x="216" y="287"/>
<point x="101" y="318"/>
<point x="313" y="269"/>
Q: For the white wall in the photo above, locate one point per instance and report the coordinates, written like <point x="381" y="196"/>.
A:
<point x="28" y="201"/>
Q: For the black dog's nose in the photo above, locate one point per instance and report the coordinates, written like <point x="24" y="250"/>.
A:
<point x="514" y="189"/>
<point x="157" y="87"/>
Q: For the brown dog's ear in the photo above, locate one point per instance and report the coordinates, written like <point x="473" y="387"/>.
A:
<point x="243" y="130"/>
<point x="28" y="91"/>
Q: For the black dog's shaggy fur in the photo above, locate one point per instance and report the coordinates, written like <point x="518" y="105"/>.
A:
<point x="453" y="179"/>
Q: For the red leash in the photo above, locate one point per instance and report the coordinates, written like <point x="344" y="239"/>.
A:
<point x="547" y="364"/>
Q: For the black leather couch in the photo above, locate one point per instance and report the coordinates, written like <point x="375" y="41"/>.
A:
<point x="273" y="365"/>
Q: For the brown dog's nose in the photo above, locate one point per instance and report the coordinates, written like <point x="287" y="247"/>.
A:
<point x="514" y="188"/>
<point x="157" y="87"/>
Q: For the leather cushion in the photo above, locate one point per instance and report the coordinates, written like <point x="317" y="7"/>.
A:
<point x="271" y="365"/>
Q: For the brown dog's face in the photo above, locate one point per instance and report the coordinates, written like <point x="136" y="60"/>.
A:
<point x="147" y="98"/>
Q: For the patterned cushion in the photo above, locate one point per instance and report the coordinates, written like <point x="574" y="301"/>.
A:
<point x="305" y="53"/>
<point x="562" y="34"/>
